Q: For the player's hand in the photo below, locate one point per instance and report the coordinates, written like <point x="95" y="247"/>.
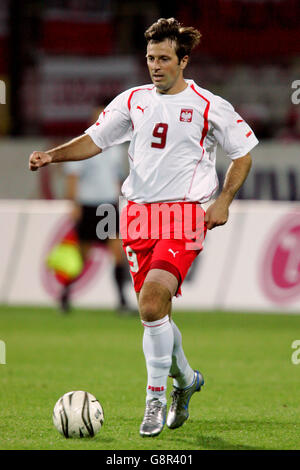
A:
<point x="39" y="159"/>
<point x="216" y="214"/>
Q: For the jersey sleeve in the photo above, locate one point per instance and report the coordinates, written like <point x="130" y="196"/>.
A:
<point x="230" y="130"/>
<point x="114" y="125"/>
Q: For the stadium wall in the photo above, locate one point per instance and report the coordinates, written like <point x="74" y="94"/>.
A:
<point x="250" y="264"/>
<point x="275" y="174"/>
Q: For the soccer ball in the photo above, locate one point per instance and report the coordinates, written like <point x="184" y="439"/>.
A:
<point x="78" y="414"/>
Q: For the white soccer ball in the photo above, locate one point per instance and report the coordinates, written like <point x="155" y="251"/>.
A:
<point x="78" y="414"/>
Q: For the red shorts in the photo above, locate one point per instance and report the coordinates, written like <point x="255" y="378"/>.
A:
<point x="166" y="236"/>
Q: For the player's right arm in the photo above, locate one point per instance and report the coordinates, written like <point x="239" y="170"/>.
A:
<point x="113" y="127"/>
<point x="80" y="148"/>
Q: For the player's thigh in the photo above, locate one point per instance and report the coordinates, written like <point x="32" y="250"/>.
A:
<point x="163" y="278"/>
<point x="139" y="255"/>
<point x="174" y="257"/>
<point x="149" y="292"/>
<point x="154" y="301"/>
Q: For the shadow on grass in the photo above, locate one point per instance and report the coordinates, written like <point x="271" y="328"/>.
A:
<point x="104" y="440"/>
<point x="211" y="434"/>
<point x="217" y="443"/>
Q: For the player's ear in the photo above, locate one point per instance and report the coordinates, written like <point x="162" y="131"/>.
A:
<point x="184" y="62"/>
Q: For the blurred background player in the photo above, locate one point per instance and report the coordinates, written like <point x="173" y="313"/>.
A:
<point x="89" y="183"/>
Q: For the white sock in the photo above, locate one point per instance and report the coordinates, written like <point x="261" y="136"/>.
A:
<point x="158" y="346"/>
<point x="181" y="371"/>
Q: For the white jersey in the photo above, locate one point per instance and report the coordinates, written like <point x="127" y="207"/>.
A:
<point x="172" y="154"/>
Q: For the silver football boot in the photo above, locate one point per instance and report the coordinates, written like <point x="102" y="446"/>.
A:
<point x="179" y="412"/>
<point x="154" y="418"/>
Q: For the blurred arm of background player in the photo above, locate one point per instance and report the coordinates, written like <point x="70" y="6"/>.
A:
<point x="71" y="187"/>
<point x="72" y="179"/>
<point x="88" y="184"/>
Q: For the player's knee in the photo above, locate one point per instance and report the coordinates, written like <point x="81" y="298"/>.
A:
<point x="150" y="309"/>
<point x="154" y="301"/>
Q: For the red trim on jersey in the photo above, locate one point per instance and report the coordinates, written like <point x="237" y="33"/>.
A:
<point x="205" y="116"/>
<point x="249" y="133"/>
<point x="204" y="132"/>
<point x="207" y="198"/>
<point x="240" y="120"/>
<point x="131" y="95"/>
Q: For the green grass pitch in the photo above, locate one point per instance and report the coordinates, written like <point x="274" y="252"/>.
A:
<point x="251" y="397"/>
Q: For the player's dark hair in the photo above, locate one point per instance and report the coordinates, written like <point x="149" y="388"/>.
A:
<point x="186" y="37"/>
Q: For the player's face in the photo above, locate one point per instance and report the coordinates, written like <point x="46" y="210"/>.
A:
<point x="165" y="71"/>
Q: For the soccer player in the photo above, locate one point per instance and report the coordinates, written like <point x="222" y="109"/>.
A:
<point x="173" y="127"/>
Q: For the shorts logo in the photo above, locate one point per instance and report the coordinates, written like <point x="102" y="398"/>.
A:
<point x="173" y="253"/>
<point x="186" y="115"/>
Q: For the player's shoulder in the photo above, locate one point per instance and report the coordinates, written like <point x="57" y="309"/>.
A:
<point x="139" y="88"/>
<point x="211" y="98"/>
<point x="135" y="92"/>
<point x="148" y="86"/>
<point x="126" y="97"/>
<point x="214" y="101"/>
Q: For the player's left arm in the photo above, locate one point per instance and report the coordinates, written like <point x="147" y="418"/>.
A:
<point x="218" y="212"/>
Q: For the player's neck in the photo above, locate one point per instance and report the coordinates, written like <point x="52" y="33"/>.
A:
<point x="178" y="87"/>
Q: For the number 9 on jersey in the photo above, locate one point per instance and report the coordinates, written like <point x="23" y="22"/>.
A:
<point x="132" y="259"/>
